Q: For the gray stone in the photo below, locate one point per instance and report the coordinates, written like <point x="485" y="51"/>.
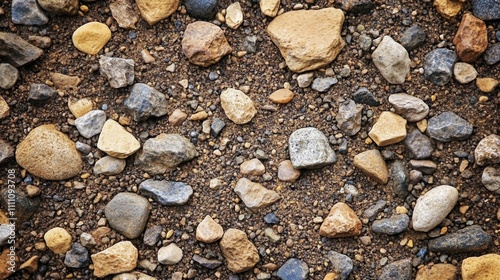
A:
<point x="87" y="240"/>
<point x="6" y="230"/>
<point x="411" y="108"/>
<point x="41" y="94"/>
<point x="466" y="240"/>
<point x="16" y="51"/>
<point x="165" y="152"/>
<point x="60" y="7"/>
<point x="83" y="148"/>
<point x="304" y="80"/>
<point x="250" y="44"/>
<point x="8" y="75"/>
<point x="392" y="60"/>
<point x="349" y="117"/>
<point x="27" y="12"/>
<point x="201" y="9"/>
<point x="341" y="264"/>
<point x="152" y="235"/>
<point x="91" y="123"/>
<point x="128" y="213"/>
<point x="486" y="9"/>
<point x="207" y="263"/>
<point x="398" y="182"/>
<point x="448" y="126"/>
<point x="124" y="14"/>
<point x="365" y="96"/>
<point x="145" y="101"/>
<point x="438" y="66"/>
<point x="118" y="71"/>
<point x="424" y="166"/>
<point x="216" y="127"/>
<point x="398" y="270"/>
<point x="109" y="166"/>
<point x="309" y="148"/>
<point x="413" y="38"/>
<point x="356" y="6"/>
<point x="373" y="210"/>
<point x="24" y="205"/>
<point x="491" y="179"/>
<point x="488" y="150"/>
<point x="168" y="193"/>
<point x="271" y="218"/>
<point x="419" y="145"/>
<point x="391" y="226"/>
<point x="293" y="269"/>
<point x="365" y="42"/>
<point x="6" y="151"/>
<point x="77" y="257"/>
<point x="323" y="84"/>
<point x="492" y="54"/>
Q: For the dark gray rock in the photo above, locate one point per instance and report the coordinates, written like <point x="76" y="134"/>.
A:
<point x="118" y="71"/>
<point x="144" y="102"/>
<point x="24" y="206"/>
<point x="152" y="235"/>
<point x="413" y="38"/>
<point x="391" y="226"/>
<point x="6" y="151"/>
<point x="341" y="264"/>
<point x="398" y="181"/>
<point x="356" y="6"/>
<point x="486" y="9"/>
<point x="365" y="96"/>
<point x="419" y="145"/>
<point x="77" y="257"/>
<point x="469" y="239"/>
<point x="8" y="75"/>
<point x="168" y="193"/>
<point x="323" y="84"/>
<point x="271" y="218"/>
<point x="349" y="117"/>
<point x="438" y="66"/>
<point x="373" y="210"/>
<point x="41" y="94"/>
<point x="16" y="51"/>
<point x="398" y="270"/>
<point x="207" y="263"/>
<point x="27" y="12"/>
<point x="216" y="127"/>
<point x="91" y="123"/>
<point x="492" y="54"/>
<point x="6" y="230"/>
<point x="201" y="9"/>
<point x="83" y="148"/>
<point x="293" y="269"/>
<point x="448" y="126"/>
<point x="128" y="213"/>
<point x="309" y="148"/>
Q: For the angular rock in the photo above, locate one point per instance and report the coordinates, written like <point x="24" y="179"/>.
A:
<point x="487" y="85"/>
<point x="392" y="60"/>
<point x="411" y="108"/>
<point x="204" y="43"/>
<point x="109" y="166"/>
<point x="153" y="11"/>
<point x="486" y="9"/>
<point x="252" y="167"/>
<point x="28" y="12"/>
<point x="440" y="271"/>
<point x="8" y="76"/>
<point x="448" y="126"/>
<point x="40" y="94"/>
<point x="485" y="267"/>
<point x="6" y="151"/>
<point x="58" y="240"/>
<point x="286" y="172"/>
<point x="438" y="66"/>
<point x="60" y="7"/>
<point x="309" y="148"/>
<point x="210" y="264"/>
<point x="389" y="129"/>
<point x="466" y="240"/>
<point x="373" y="210"/>
<point x="349" y="117"/>
<point x="471" y="38"/>
<point x="391" y="226"/>
<point x="145" y="102"/>
<point x="356" y="6"/>
<point x="201" y="9"/>
<point x="373" y="165"/>
<point x="91" y="37"/>
<point x="87" y="240"/>
<point x="6" y="230"/>
<point x="121" y="257"/>
<point x="492" y="54"/>
<point x="424" y="166"/>
<point x="281" y="96"/>
<point x="77" y="257"/>
<point x="433" y="207"/>
<point x="413" y="38"/>
<point x="116" y="141"/>
<point x="91" y="123"/>
<point x="488" y="150"/>
<point x="254" y="195"/>
<point x="234" y="15"/>
<point x="341" y="264"/>
<point x="364" y="96"/>
<point x="124" y="14"/>
<point x="323" y="84"/>
<point x="308" y="39"/>
<point x="216" y="127"/>
<point x="118" y="71"/>
<point x="305" y="80"/>
<point x="128" y="213"/>
<point x="237" y="106"/>
<point x="419" y="145"/>
<point x="399" y="179"/>
<point x="43" y="42"/>
<point x="293" y="269"/>
<point x="209" y="231"/>
<point x="65" y="82"/>
<point x="269" y="7"/>
<point x="340" y="222"/>
<point x="491" y="179"/>
<point x="448" y="8"/>
<point x="80" y="107"/>
<point x="170" y="254"/>
<point x="401" y="270"/>
<point x="152" y="235"/>
<point x="240" y="253"/>
<point x="168" y="193"/>
<point x="464" y="73"/>
<point x="16" y="51"/>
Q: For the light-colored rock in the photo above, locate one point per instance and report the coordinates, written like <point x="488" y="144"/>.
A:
<point x="309" y="148"/>
<point x="237" y="106"/>
<point x="269" y="7"/>
<point x="448" y="8"/>
<point x="8" y="75"/>
<point x="252" y="167"/>
<point x="177" y="117"/>
<point x="200" y="116"/>
<point x="80" y="107"/>
<point x="439" y="271"/>
<point x="49" y="154"/>
<point x="109" y="166"/>
<point x="6" y="151"/>
<point x="118" y="71"/>
<point x="486" y="85"/>
<point x="488" y="150"/>
<point x="58" y="240"/>
<point x="121" y="257"/>
<point x="65" y="82"/>
<point x="392" y="60"/>
<point x="240" y="253"/>
<point x="304" y="80"/>
<point x="124" y="14"/>
<point x="234" y="15"/>
<point x="60" y="7"/>
<point x="91" y="123"/>
<point x="209" y="231"/>
<point x="4" y="108"/>
<point x="286" y="172"/>
<point x="91" y="37"/>
<point x="485" y="267"/>
<point x="464" y="72"/>
<point x="433" y="207"/>
<point x="153" y="11"/>
<point x="389" y="129"/>
<point x="349" y="117"/>
<point x="281" y="96"/>
<point x="116" y="141"/>
<point x="254" y="195"/>
<point x="340" y="222"/>
<point x="308" y="39"/>
<point x="170" y="254"/>
<point x="411" y="108"/>
<point x="491" y="179"/>
<point x="372" y="164"/>
<point x="471" y="38"/>
<point x="133" y="276"/>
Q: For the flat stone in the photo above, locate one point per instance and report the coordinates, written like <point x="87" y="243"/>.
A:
<point x="16" y="51"/>
<point x="389" y="129"/>
<point x="121" y="257"/>
<point x="391" y="226"/>
<point x="91" y="37"/>
<point x="424" y="166"/>
<point x="80" y="107"/>
<point x="491" y="179"/>
<point x="234" y="15"/>
<point x="43" y="42"/>
<point x="170" y="254"/>
<point x="8" y="75"/>
<point x="412" y="108"/>
<point x="152" y="235"/>
<point x="448" y="8"/>
<point x="488" y="150"/>
<point x="293" y="269"/>
<point x="118" y="71"/>
<point x="145" y="102"/>
<point x="373" y="165"/>
<point x="349" y="117"/>
<point x="269" y="7"/>
<point x="371" y="212"/>
<point x="116" y="141"/>
<point x="65" y="82"/>
<point x="323" y="84"/>
<point x="487" y="85"/>
<point x="239" y="252"/>
<point x="58" y="240"/>
<point x="281" y="96"/>
<point x="177" y="117"/>
<point x="124" y="14"/>
<point x="485" y="267"/>
<point x="109" y="166"/>
<point x="6" y="151"/>
<point x="28" y="12"/>
<point x="77" y="257"/>
<point x="392" y="60"/>
<point x="486" y="9"/>
<point x="309" y="148"/>
<point x="201" y="9"/>
<point x="401" y="270"/>
<point x="254" y="195"/>
<point x="439" y="271"/>
<point x="340" y="222"/>
<point x="471" y="38"/>
<point x="207" y="263"/>
<point x="466" y="240"/>
<point x="448" y="126"/>
<point x="216" y="127"/>
<point x="60" y="7"/>
<point x="209" y="231"/>
<point x="365" y="96"/>
<point x="341" y="264"/>
<point x="41" y="94"/>
<point x="464" y="73"/>
<point x="154" y="11"/>
<point x="419" y="145"/>
<point x="252" y="167"/>
<point x="237" y="106"/>
<point x="438" y="65"/>
<point x="492" y="54"/>
<point x="4" y="108"/>
<point x="91" y="123"/>
<point x="286" y="172"/>
<point x="168" y="193"/>
<point x="204" y="43"/>
<point x="433" y="207"/>
<point x="308" y="39"/>
<point x="413" y="38"/>
<point x="128" y="214"/>
<point x="304" y="80"/>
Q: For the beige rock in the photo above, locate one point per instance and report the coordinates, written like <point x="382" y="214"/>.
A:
<point x="4" y="108"/>
<point x="488" y="150"/>
<point x="91" y="37"/>
<point x="282" y="96"/>
<point x="133" y="276"/>
<point x="286" y="172"/>
<point x="153" y="11"/>
<point x="440" y="271"/>
<point x="485" y="267"/>
<point x="31" y="265"/>
<point x="448" y="8"/>
<point x="177" y="117"/>
<point x="200" y="116"/>
<point x="308" y="39"/>
<point x="332" y="276"/>
<point x="60" y="7"/>
<point x="252" y="167"/>
<point x="486" y="85"/>
<point x="254" y="195"/>
<point x="209" y="231"/>
<point x="433" y="207"/>
<point x="121" y="257"/>
<point x="116" y="141"/>
<point x="464" y="72"/>
<point x="237" y="106"/>
<point x="170" y="254"/>
<point x="389" y="129"/>
<point x="204" y="43"/>
<point x="240" y="253"/>
<point x="269" y="7"/>
<point x="58" y="240"/>
<point x="341" y="222"/>
<point x="234" y="15"/>
<point x="392" y="60"/>
<point x="123" y="12"/>
<point x="372" y="164"/>
<point x="49" y="154"/>
<point x="6" y="263"/>
<point x="64" y="82"/>
<point x="80" y="107"/>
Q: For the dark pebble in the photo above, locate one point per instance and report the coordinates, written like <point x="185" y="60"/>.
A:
<point x="216" y="127"/>
<point x="210" y="264"/>
<point x="77" y="257"/>
<point x="486" y="9"/>
<point x="40" y="94"/>
<point x="201" y="9"/>
<point x="438" y="66"/>
<point x="413" y="38"/>
<point x="399" y="270"/>
<point x="391" y="226"/>
<point x="492" y="54"/>
<point x="399" y="179"/>
<point x="469" y="239"/>
<point x="152" y="235"/>
<point x="293" y="269"/>
<point x="364" y="96"/>
<point x="271" y="218"/>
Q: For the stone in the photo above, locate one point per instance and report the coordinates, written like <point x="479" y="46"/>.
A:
<point x="252" y="167"/>
<point x="177" y="117"/>
<point x="124" y="14"/>
<point x="4" y="108"/>
<point x="254" y="195"/>
<point x="389" y="129"/>
<point x="170" y="254"/>
<point x="118" y="71"/>
<point x="87" y="240"/>
<point x="6" y="151"/>
<point x="486" y="9"/>
<point x="152" y="235"/>
<point x="433" y="207"/>
<point x="210" y="264"/>
<point x="128" y="214"/>
<point x="49" y="154"/>
<point x="471" y="38"/>
<point x="168" y="193"/>
<point x="341" y="264"/>
<point x="448" y="8"/>
<point x="8" y="76"/>
<point x="466" y="240"/>
<point x="492" y="54"/>
<point x="165" y="152"/>
<point x="401" y="270"/>
<point x="419" y="145"/>
<point x="439" y="271"/>
<point x="116" y="141"/>
<point x="340" y="222"/>
<point x="216" y="127"/>
<point x="371" y="212"/>
<point x="323" y="84"/>
<point x="438" y="66"/>
<point x="373" y="165"/>
<point x="411" y="108"/>
<point x="237" y="106"/>
<point x="485" y="267"/>
<point x="349" y="117"/>
<point x="424" y="166"/>
<point x="304" y="80"/>
<point x="201" y="9"/>
<point x="413" y="38"/>
<point x="60" y="7"/>
<point x="31" y="265"/>
<point x="281" y="96"/>
<point x="58" y="240"/>
<point x="309" y="149"/>
<point x="464" y="73"/>
<point x="209" y="231"/>
<point x="269" y="7"/>
<point x="16" y="51"/>
<point x="365" y="96"/>
<point x="135" y="275"/>
<point x="6" y="230"/>
<point x="145" y="102"/>
<point x="293" y="269"/>
<point x="271" y="218"/>
<point x="491" y="179"/>
<point x="64" y="82"/>
<point x="109" y="166"/>
<point x="40" y="94"/>
<point x="121" y="257"/>
<point x="6" y="262"/>
<point x="448" y="126"/>
<point x="77" y="257"/>
<point x="488" y="150"/>
<point x="392" y="60"/>
<point x="234" y="15"/>
<point x="391" y="226"/>
<point x="28" y="12"/>
<point x="154" y="11"/>
<point x="240" y="253"/>
<point x="286" y="172"/>
<point x="91" y="123"/>
<point x="80" y="107"/>
<point x="25" y="205"/>
<point x="399" y="179"/>
<point x="204" y="43"/>
<point x="43" y="42"/>
<point x="91" y="37"/>
<point x="487" y="85"/>
<point x="308" y="39"/>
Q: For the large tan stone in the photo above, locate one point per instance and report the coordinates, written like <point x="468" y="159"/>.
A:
<point x="91" y="37"/>
<point x="153" y="11"/>
<point x="121" y="257"/>
<point x="341" y="222"/>
<point x="116" y="141"/>
<point x="237" y="106"/>
<point x="389" y="129"/>
<point x="209" y="231"/>
<point x="471" y="38"/>
<point x="308" y="39"/>
<point x="485" y="267"/>
<point x="372" y="164"/>
<point x="58" y="240"/>
<point x="240" y="253"/>
<point x="49" y="154"/>
<point x="440" y="271"/>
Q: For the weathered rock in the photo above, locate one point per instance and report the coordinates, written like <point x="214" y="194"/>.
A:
<point x="77" y="257"/>
<point x="153" y="11"/>
<point x="471" y="38"/>
<point x="209" y="231"/>
<point x="128" y="213"/>
<point x="25" y="206"/>
<point x="401" y="270"/>
<point x="309" y="148"/>
<point x="204" y="43"/>
<point x="391" y="226"/>
<point x="254" y="195"/>
<point x="341" y="264"/>
<point x="6" y="230"/>
<point x="210" y="264"/>
<point x="133" y="276"/>
<point x="16" y="51"/>
<point x="116" y="141"/>
<point x="5" y="263"/>
<point x="424" y="166"/>
<point x="109" y="166"/>
<point x="486" y="9"/>
<point x="91" y="123"/>
<point x="145" y="102"/>
<point x="43" y="42"/>
<point x="87" y="240"/>
<point x="293" y="269"/>
<point x="216" y="127"/>
<point x="464" y="73"/>
<point x="364" y="96"/>
<point x="240" y="253"/>
<point x="389" y="129"/>
<point x="170" y="254"/>
<point x="492" y="54"/>
<point x="372" y="164"/>
<point x="252" y="167"/>
<point x="487" y="85"/>
<point x="340" y="222"/>
<point x="234" y="15"/>
<point x="65" y="82"/>
<point x="6" y="151"/>
<point x="80" y="107"/>
<point x="433" y="207"/>
<point x="469" y="239"/>
<point x="448" y="126"/>
<point x="448" y="8"/>
<point x="286" y="172"/>
<point x="413" y="38"/>
<point x="91" y="37"/>
<point x="177" y="117"/>
<point x="237" y="106"/>
<point x="392" y="60"/>
<point x="30" y="266"/>
<point x="281" y="96"/>
<point x="269" y="7"/>
<point x="485" y="267"/>
<point x="488" y="150"/>
<point x="124" y="14"/>
<point x="356" y="6"/>
<point x="438" y="66"/>
<point x="411" y="108"/>
<point x="60" y="7"/>
<point x="28" y="12"/>
<point x="58" y="240"/>
<point x="152" y="235"/>
<point x="399" y="179"/>
<point x="4" y="108"/>
<point x="8" y="75"/>
<point x="308" y="39"/>
<point x="440" y="271"/>
<point x="323" y="84"/>
<point x="121" y="257"/>
<point x="304" y="80"/>
<point x="118" y="71"/>
<point x="168" y="193"/>
<point x="201" y="9"/>
<point x="41" y="94"/>
<point x="491" y="179"/>
<point x="419" y="145"/>
<point x="349" y="117"/>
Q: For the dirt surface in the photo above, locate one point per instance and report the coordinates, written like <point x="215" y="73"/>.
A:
<point x="312" y="195"/>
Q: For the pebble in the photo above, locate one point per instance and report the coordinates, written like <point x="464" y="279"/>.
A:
<point x="413" y="38"/>
<point x="252" y="167"/>
<point x="5" y="272"/>
<point x="77" y="257"/>
<point x="250" y="44"/>
<point x="80" y="107"/>
<point x="41" y="94"/>
<point x="91" y="123"/>
<point x="204" y="43"/>
<point x="433" y="207"/>
<point x="234" y="15"/>
<point x="6" y="151"/>
<point x="58" y="240"/>
<point x="365" y="96"/>
<point x="485" y="267"/>
<point x="389" y="129"/>
<point x="154" y="11"/>
<point x="282" y="96"/>
<point x="439" y="271"/>
<point x="8" y="76"/>
<point x="199" y="116"/>
<point x="121" y="257"/>
<point x="323" y="84"/>
<point x="492" y="54"/>
<point x="239" y="252"/>
<point x="254" y="195"/>
<point x="438" y="66"/>
<point x="209" y="231"/>
<point x="371" y="212"/>
<point x="486" y="9"/>
<point x="109" y="166"/>
<point x="349" y="117"/>
<point x="177" y="117"/>
<point x="411" y="108"/>
<point x="87" y="240"/>
<point x="419" y="145"/>
<point x="210" y="264"/>
<point x="448" y="126"/>
<point x="60" y="7"/>
<point x="167" y="193"/>
<point x="145" y="102"/>
<point x="486" y="85"/>
<point x="237" y="106"/>
<point x="25" y="206"/>
<point x="308" y="39"/>
<point x="17" y="51"/>
<point x="165" y="152"/>
<point x="65" y="82"/>
<point x="31" y="265"/>
<point x="118" y="71"/>
<point x="269" y="7"/>
<point x="293" y="269"/>
<point x="152" y="235"/>
<point x="216" y="127"/>
<point x="4" y="108"/>
<point x="464" y="73"/>
<point x="116" y="141"/>
<point x="341" y="264"/>
<point x="401" y="270"/>
<point x="124" y="14"/>
<point x="201" y="9"/>
<point x="399" y="179"/>
<point x="170" y="254"/>
<point x="357" y="6"/>
<point x="28" y="12"/>
<point x="471" y="39"/>
<point x="43" y="42"/>
<point x="424" y="166"/>
<point x="449" y="9"/>
<point x="133" y="276"/>
<point x="392" y="60"/>
<point x="309" y="149"/>
<point x="466" y="240"/>
<point x="342" y="221"/>
<point x="128" y="214"/>
<point x="91" y="37"/>
<point x="271" y="218"/>
<point x="305" y="80"/>
<point x="373" y="165"/>
<point x="286" y="172"/>
<point x="491" y="179"/>
<point x="391" y="226"/>
<point x="488" y="150"/>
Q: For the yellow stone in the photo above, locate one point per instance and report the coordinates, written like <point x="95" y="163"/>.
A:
<point x="422" y="125"/>
<point x="448" y="8"/>
<point x="80" y="107"/>
<point x="486" y="84"/>
<point x="91" y="37"/>
<point x="437" y="272"/>
<point x="116" y="141"/>
<point x="331" y="276"/>
<point x="153" y="11"/>
<point x="58" y="240"/>
<point x="390" y="128"/>
<point x="281" y="96"/>
<point x="372" y="164"/>
<point x="200" y="116"/>
<point x="485" y="267"/>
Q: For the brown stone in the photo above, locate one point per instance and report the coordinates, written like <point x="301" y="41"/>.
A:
<point x="485" y="267"/>
<point x="439" y="271"/>
<point x="209" y="231"/>
<point x="254" y="195"/>
<point x="177" y="117"/>
<point x="341" y="222"/>
<point x="121" y="257"/>
<point x="471" y="38"/>
<point x="9" y="262"/>
<point x="390" y="128"/>
<point x="448" y="8"/>
<point x="372" y="164"/>
<point x="286" y="172"/>
<point x="153" y="11"/>
<point x="31" y="265"/>
<point x="486" y="85"/>
<point x="240" y="253"/>
<point x="281" y="96"/>
<point x="4" y="108"/>
<point x="64" y="82"/>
